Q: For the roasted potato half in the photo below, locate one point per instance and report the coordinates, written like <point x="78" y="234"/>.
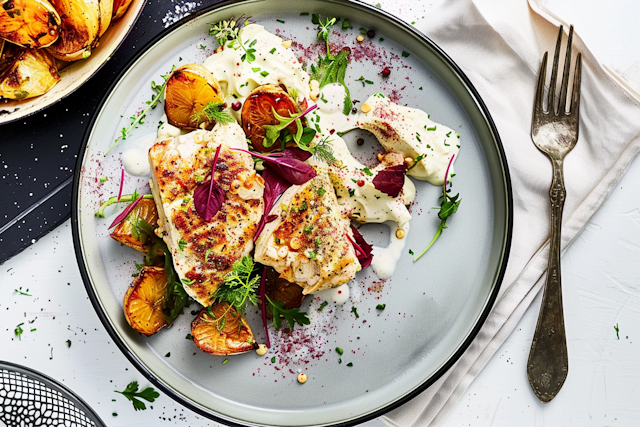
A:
<point x="79" y="29"/>
<point x="119" y="8"/>
<point x="127" y="234"/>
<point x="143" y="301"/>
<point x="258" y="111"/>
<point x="221" y="331"/>
<point x="189" y="89"/>
<point x="29" y="23"/>
<point x="25" y="73"/>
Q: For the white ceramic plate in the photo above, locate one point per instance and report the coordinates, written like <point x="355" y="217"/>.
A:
<point x="434" y="307"/>
<point x="75" y="73"/>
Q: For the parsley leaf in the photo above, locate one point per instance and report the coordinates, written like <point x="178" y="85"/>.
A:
<point x="131" y="393"/>
<point x="239" y="286"/>
<point x="292" y="316"/>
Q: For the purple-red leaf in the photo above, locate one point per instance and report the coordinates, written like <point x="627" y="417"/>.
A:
<point x="274" y="186"/>
<point x="390" y="180"/>
<point x="288" y="165"/>
<point x="209" y="197"/>
<point x="125" y="212"/>
<point x="362" y="248"/>
<point x="263" y="298"/>
<point x="121" y="185"/>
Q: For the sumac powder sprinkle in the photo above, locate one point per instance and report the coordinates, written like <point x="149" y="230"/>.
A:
<point x="371" y="34"/>
<point x="236" y="106"/>
<point x="385" y="72"/>
<point x="360" y="141"/>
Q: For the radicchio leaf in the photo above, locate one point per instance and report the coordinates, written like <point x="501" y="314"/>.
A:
<point x="288" y="165"/>
<point x="390" y="180"/>
<point x="263" y="299"/>
<point x="274" y="186"/>
<point x="125" y="212"/>
<point x="362" y="248"/>
<point x="208" y="197"/>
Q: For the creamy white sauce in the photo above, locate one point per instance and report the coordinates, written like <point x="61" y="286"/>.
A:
<point x="166" y="130"/>
<point x="337" y="296"/>
<point x="385" y="259"/>
<point x="135" y="158"/>
<point x="274" y="64"/>
<point x="411" y="132"/>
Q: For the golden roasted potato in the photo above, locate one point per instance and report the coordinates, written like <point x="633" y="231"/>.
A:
<point x="223" y="334"/>
<point x="258" y="111"/>
<point x="189" y="89"/>
<point x="79" y="29"/>
<point x="119" y="8"/>
<point x="106" y="10"/>
<point x="126" y="234"/>
<point x="29" y="23"/>
<point x="25" y="73"/>
<point x="143" y="301"/>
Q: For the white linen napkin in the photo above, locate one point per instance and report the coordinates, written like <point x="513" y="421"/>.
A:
<point x="499" y="45"/>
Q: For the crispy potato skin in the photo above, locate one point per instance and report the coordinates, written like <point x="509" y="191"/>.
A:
<point x="124" y="232"/>
<point x="29" y="23"/>
<point x="79" y="29"/>
<point x="143" y="301"/>
<point x="258" y="111"/>
<point x="222" y="337"/>
<point x="188" y="90"/>
<point x="25" y="73"/>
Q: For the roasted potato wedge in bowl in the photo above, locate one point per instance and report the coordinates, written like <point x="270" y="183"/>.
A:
<point x="220" y="330"/>
<point x="26" y="73"/>
<point x="79" y="29"/>
<point x="29" y="23"/>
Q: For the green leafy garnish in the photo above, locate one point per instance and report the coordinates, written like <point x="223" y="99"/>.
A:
<point x="292" y="316"/>
<point x="18" y="331"/>
<point x="339" y="351"/>
<point x="228" y="32"/>
<point x="448" y="206"/>
<point x="355" y="311"/>
<point x="23" y="293"/>
<point x="132" y="393"/>
<point x="139" y="118"/>
<point x="380" y="306"/>
<point x="68" y="343"/>
<point x="363" y="81"/>
<point x="239" y="286"/>
<point x="213" y="112"/>
<point x="323" y="305"/>
<point x="617" y="331"/>
<point x="302" y="137"/>
<point x="324" y="30"/>
<point x="181" y="244"/>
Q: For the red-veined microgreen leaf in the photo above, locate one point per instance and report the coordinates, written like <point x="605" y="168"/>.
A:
<point x="362" y="248"/>
<point x="121" y="184"/>
<point x="287" y="164"/>
<point x="208" y="197"/>
<point x="125" y="212"/>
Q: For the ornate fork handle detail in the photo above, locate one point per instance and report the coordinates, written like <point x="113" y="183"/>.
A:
<point x="548" y="363"/>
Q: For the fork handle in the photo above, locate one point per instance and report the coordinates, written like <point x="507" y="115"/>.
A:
<point x="548" y="363"/>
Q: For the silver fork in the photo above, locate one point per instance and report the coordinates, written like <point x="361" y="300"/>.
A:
<point x="554" y="130"/>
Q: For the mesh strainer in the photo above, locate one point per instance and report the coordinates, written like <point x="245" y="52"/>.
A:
<point x="29" y="398"/>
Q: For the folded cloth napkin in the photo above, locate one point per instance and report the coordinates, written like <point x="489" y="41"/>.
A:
<point x="499" y="45"/>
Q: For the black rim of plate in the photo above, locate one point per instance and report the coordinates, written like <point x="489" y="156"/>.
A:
<point x="391" y="405"/>
<point x="55" y="385"/>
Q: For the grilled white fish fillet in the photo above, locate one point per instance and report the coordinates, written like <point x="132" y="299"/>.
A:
<point x="204" y="251"/>
<point x="307" y="243"/>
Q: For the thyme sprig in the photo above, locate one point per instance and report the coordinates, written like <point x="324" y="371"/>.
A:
<point x="139" y="118"/>
<point x="448" y="206"/>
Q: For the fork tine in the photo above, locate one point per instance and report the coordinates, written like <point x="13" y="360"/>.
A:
<point x="554" y="76"/>
<point x="538" y="102"/>
<point x="575" y="96"/>
<point x="562" y="104"/>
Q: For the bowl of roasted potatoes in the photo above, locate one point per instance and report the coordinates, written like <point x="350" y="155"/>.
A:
<point x="49" y="48"/>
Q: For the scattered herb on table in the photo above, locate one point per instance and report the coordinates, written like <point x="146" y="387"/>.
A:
<point x="323" y="305"/>
<point x="405" y="54"/>
<point x="339" y="351"/>
<point x="104" y="179"/>
<point x="355" y="311"/>
<point x="617" y="331"/>
<point x="132" y="393"/>
<point x="363" y="81"/>
<point x="448" y="206"/>
<point x="18" y="331"/>
<point x="380" y="306"/>
<point x="68" y="343"/>
<point x="189" y="337"/>
<point x="23" y="293"/>
<point x="349" y="364"/>
<point x="224" y="362"/>
<point x="51" y="357"/>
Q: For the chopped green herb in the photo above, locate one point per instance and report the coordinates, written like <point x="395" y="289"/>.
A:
<point x="363" y="81"/>
<point x="272" y="50"/>
<point x="206" y="254"/>
<point x="363" y="31"/>
<point x="381" y="306"/>
<point x="115" y="414"/>
<point x="351" y="192"/>
<point x="280" y="21"/>
<point x="104" y="179"/>
<point x="255" y="69"/>
<point x="51" y="356"/>
<point x="189" y="337"/>
<point x="617" y="331"/>
<point x="381" y="40"/>
<point x="224" y="362"/>
<point x="132" y="393"/>
<point x="323" y="305"/>
<point x="345" y="24"/>
<point x="181" y="244"/>
<point x="33" y="330"/>
<point x="378" y="5"/>
<point x="355" y="311"/>
<point x="203" y="47"/>
<point x="418" y="137"/>
<point x="264" y="73"/>
<point x="168" y="354"/>
<point x="366" y="171"/>
<point x="273" y="359"/>
<point x="321" y="191"/>
<point x="68" y="343"/>
<point x="339" y="351"/>
<point x="432" y="128"/>
<point x="420" y="88"/>
<point x="23" y="293"/>
<point x="188" y="282"/>
<point x="349" y="364"/>
<point x="340" y="360"/>
<point x="405" y="54"/>
<point x="410" y="252"/>
<point x="308" y="229"/>
<point x="18" y="331"/>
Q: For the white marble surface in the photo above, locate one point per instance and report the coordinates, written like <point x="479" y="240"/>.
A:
<point x="601" y="283"/>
